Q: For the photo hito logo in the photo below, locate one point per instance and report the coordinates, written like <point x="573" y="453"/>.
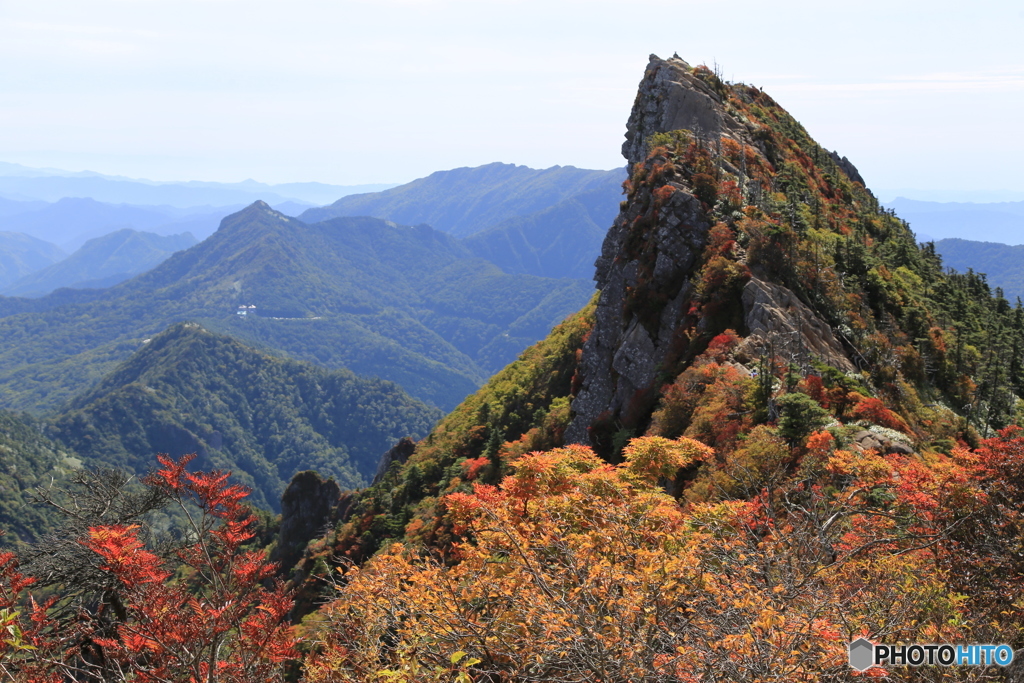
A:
<point x="864" y="654"/>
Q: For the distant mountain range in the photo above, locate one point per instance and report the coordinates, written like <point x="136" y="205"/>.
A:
<point x="21" y="254"/>
<point x="465" y="201"/>
<point x="1001" y="222"/>
<point x="100" y="349"/>
<point x="22" y="182"/>
<point x="71" y="221"/>
<point x="102" y="262"/>
<point x="1002" y="264"/>
<point x="11" y="207"/>
<point x="407" y="304"/>
<point x="547" y="222"/>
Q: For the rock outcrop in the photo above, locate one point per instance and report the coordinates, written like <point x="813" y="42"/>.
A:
<point x="777" y="319"/>
<point x="399" y="453"/>
<point x="848" y="168"/>
<point x="307" y="506"/>
<point x="672" y="98"/>
<point x="867" y="440"/>
<point x="622" y="355"/>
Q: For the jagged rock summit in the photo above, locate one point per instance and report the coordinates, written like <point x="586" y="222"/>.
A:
<point x="671" y="97"/>
<point x="647" y="265"/>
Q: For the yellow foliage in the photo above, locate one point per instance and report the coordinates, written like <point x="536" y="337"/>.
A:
<point x="576" y="570"/>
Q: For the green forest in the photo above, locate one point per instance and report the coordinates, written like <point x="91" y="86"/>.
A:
<point x="260" y="417"/>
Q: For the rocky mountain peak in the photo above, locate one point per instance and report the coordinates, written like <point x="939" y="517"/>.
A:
<point x="707" y="158"/>
<point x="674" y="96"/>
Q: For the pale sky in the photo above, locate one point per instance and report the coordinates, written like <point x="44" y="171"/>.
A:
<point x="917" y="94"/>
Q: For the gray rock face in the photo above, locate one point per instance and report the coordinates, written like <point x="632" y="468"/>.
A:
<point x="847" y="167"/>
<point x="776" y="317"/>
<point x="399" y="453"/>
<point x="866" y="440"/>
<point x="671" y="98"/>
<point x="622" y="356"/>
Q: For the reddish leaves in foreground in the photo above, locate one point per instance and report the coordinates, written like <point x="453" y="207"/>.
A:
<point x="210" y="618"/>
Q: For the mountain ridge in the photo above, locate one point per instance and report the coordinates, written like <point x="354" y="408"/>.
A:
<point x="18" y="181"/>
<point x="990" y="222"/>
<point x="22" y="255"/>
<point x="1000" y="264"/>
<point x="102" y="262"/>
<point x="362" y="293"/>
<point x="464" y="201"/>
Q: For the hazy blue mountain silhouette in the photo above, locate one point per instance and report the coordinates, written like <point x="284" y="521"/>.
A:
<point x="408" y="304"/>
<point x="464" y="201"/>
<point x="102" y="262"/>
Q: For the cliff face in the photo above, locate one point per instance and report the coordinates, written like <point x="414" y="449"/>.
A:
<point x="631" y="344"/>
<point x="622" y="355"/>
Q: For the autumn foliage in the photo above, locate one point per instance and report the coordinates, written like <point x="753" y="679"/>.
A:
<point x="576" y="570"/>
<point x="207" y="614"/>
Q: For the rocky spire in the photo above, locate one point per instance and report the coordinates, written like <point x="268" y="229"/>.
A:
<point x="672" y="98"/>
<point x="646" y="290"/>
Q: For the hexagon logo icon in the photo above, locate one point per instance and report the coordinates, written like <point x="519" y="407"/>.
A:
<point x="862" y="654"/>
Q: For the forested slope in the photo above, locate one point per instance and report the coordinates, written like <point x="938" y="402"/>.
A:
<point x="464" y="201"/>
<point x="262" y="418"/>
<point x="559" y="241"/>
<point x="29" y="460"/>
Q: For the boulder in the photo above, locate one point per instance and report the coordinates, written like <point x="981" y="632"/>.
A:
<point x="866" y="440"/>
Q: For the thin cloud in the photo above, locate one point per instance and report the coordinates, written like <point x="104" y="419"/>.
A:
<point x="999" y="80"/>
<point x="104" y="47"/>
<point x="78" y="29"/>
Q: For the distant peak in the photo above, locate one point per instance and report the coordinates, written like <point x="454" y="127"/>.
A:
<point x="181" y="328"/>
<point x="260" y="206"/>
